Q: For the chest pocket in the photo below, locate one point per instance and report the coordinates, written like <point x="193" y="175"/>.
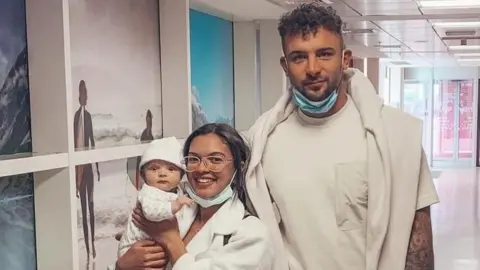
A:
<point x="351" y="198"/>
<point x="226" y="238"/>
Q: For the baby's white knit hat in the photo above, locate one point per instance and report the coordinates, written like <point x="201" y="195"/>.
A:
<point x="167" y="149"/>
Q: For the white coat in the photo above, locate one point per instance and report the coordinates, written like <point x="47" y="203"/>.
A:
<point x="249" y="247"/>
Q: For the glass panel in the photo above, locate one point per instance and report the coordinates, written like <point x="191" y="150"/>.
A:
<point x="384" y="81"/>
<point x="443" y="119"/>
<point x="414" y="100"/>
<point x="395" y="87"/>
<point x="465" y="123"/>
<point x="415" y="103"/>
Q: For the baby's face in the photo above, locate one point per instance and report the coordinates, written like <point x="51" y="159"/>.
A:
<point x="162" y="174"/>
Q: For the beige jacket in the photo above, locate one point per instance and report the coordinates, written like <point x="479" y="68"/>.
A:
<point x="394" y="141"/>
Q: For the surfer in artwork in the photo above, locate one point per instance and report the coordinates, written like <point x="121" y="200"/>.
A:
<point x="83" y="132"/>
<point x="147" y="135"/>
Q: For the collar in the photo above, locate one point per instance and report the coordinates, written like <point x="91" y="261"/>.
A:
<point x="225" y="221"/>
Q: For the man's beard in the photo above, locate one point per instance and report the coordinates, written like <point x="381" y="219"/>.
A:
<point x="332" y="86"/>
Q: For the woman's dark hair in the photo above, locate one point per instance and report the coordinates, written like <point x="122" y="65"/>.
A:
<point x="237" y="145"/>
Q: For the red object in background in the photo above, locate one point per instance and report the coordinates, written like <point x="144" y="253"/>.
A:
<point x="465" y="120"/>
<point x="446" y="128"/>
<point x="446" y="119"/>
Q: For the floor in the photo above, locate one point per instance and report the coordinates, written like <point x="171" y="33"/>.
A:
<point x="456" y="220"/>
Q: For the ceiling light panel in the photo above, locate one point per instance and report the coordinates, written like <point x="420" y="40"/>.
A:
<point x="467" y="54"/>
<point x="462" y="33"/>
<point x="464" y="47"/>
<point x="448" y="3"/>
<point x="358" y="31"/>
<point x="457" y="24"/>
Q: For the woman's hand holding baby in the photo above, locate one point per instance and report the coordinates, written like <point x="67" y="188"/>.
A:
<point x="159" y="231"/>
<point x="144" y="254"/>
<point x="166" y="233"/>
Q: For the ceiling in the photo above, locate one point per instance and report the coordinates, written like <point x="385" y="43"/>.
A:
<point x="420" y="32"/>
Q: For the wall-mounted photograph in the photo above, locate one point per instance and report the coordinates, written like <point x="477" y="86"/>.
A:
<point x="115" y="72"/>
<point x="104" y="203"/>
<point x="116" y="101"/>
<point x="17" y="227"/>
<point x="211" y="57"/>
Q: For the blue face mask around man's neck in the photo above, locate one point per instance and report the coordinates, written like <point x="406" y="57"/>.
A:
<point x="315" y="107"/>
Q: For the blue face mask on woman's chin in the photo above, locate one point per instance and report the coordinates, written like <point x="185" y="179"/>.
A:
<point x="220" y="198"/>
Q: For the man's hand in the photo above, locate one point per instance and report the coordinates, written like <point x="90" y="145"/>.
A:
<point x="420" y="249"/>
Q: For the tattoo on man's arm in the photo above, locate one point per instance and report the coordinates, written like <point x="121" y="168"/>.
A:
<point x="420" y="249"/>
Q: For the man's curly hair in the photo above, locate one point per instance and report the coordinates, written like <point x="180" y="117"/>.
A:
<point x="307" y="19"/>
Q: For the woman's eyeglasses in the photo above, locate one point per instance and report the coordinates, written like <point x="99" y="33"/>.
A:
<point x="212" y="163"/>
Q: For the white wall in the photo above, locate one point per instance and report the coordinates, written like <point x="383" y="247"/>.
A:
<point x="175" y="66"/>
<point x="259" y="78"/>
<point x="272" y="78"/>
<point x="245" y="68"/>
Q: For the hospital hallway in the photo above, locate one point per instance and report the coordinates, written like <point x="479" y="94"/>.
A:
<point x="456" y="220"/>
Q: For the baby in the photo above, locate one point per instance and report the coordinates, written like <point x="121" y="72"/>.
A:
<point x="160" y="197"/>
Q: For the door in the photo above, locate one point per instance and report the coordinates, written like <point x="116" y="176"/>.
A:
<point x="453" y="144"/>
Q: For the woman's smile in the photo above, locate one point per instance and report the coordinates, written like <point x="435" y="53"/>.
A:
<point x="204" y="181"/>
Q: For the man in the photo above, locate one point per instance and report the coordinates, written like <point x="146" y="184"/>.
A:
<point x="347" y="58"/>
<point x="83" y="133"/>
<point x="147" y="132"/>
<point x="146" y="136"/>
<point x="331" y="174"/>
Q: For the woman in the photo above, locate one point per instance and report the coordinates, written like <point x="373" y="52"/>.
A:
<point x="223" y="235"/>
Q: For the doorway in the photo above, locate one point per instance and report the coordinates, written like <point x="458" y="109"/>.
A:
<point x="453" y="123"/>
